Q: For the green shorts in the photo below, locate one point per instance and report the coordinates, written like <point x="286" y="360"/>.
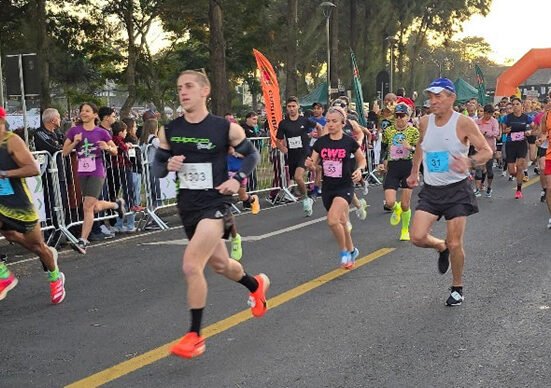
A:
<point x="91" y="186"/>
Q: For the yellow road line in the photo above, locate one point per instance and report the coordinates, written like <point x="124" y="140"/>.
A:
<point x="161" y="352"/>
<point x="530" y="182"/>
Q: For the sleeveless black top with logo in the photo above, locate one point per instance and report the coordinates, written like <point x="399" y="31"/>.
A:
<point x="205" y="147"/>
<point x="15" y="198"/>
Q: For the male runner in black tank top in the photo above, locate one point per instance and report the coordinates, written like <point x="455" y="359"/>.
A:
<point x="196" y="146"/>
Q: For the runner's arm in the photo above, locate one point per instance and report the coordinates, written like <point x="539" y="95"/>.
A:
<point x="361" y="164"/>
<point x="418" y="155"/>
<point x="24" y="159"/>
<point x="245" y="147"/>
<point x="163" y="157"/>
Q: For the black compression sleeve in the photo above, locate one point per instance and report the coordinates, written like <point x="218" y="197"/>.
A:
<point x="160" y="161"/>
<point x="251" y="156"/>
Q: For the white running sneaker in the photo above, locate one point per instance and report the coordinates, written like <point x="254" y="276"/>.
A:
<point x="307" y="206"/>
<point x="361" y="212"/>
<point x="549" y="224"/>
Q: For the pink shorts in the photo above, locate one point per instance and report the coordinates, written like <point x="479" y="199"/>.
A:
<point x="232" y="173"/>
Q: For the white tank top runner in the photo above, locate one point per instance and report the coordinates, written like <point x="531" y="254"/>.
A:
<point x="439" y="145"/>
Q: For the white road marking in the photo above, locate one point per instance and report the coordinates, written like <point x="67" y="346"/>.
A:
<point x="185" y="241"/>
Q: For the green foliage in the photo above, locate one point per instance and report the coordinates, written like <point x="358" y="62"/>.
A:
<point x="88" y="42"/>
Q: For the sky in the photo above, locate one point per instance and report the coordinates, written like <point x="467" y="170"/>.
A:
<point x="529" y="19"/>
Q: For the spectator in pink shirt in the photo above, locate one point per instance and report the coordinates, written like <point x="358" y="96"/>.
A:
<point x="489" y="127"/>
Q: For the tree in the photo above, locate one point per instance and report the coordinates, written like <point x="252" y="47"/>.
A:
<point x="291" y="63"/>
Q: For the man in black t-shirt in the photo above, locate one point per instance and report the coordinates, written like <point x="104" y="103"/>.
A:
<point x="195" y="146"/>
<point x="293" y="140"/>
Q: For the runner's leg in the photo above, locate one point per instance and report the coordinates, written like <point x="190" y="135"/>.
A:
<point x="454" y="242"/>
<point x="420" y="231"/>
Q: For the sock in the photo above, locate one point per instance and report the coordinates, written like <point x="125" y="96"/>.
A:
<point x="519" y="187"/>
<point x="458" y="289"/>
<point x="4" y="271"/>
<point x="406" y="216"/>
<point x="196" y="316"/>
<point x="249" y="200"/>
<point x="249" y="282"/>
<point x="53" y="275"/>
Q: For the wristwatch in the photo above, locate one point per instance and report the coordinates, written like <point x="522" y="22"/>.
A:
<point x="240" y="177"/>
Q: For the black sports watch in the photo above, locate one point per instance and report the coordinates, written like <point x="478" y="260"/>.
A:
<point x="240" y="176"/>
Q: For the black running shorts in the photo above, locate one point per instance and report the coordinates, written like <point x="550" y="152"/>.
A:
<point x="450" y="201"/>
<point x="190" y="219"/>
<point x="531" y="139"/>
<point x="397" y="174"/>
<point x="17" y="225"/>
<point x="516" y="150"/>
<point x="295" y="162"/>
<point x="541" y="152"/>
<point x="327" y="195"/>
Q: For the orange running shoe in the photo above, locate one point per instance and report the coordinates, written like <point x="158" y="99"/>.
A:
<point x="257" y="299"/>
<point x="255" y="204"/>
<point x="7" y="285"/>
<point x="191" y="345"/>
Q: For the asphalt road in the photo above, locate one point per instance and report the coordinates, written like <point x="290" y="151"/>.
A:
<point x="383" y="324"/>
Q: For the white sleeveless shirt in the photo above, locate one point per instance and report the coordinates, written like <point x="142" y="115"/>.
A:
<point x="439" y="144"/>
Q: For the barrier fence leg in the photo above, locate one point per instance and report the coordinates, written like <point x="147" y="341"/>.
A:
<point x="59" y="208"/>
<point x="285" y="193"/>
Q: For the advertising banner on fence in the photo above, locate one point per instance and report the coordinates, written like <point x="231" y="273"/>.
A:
<point x="37" y="193"/>
<point x="270" y="91"/>
<point x="168" y="186"/>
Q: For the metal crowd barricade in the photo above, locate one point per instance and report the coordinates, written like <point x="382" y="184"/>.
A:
<point x="160" y="193"/>
<point x="268" y="176"/>
<point x="69" y="197"/>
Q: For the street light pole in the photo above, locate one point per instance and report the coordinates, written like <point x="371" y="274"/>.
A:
<point x="327" y="8"/>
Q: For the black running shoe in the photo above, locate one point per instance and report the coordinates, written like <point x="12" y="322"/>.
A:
<point x="543" y="195"/>
<point x="444" y="261"/>
<point x="121" y="210"/>
<point x="455" y="298"/>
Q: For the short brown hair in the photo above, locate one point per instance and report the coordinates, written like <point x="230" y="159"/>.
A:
<point x="200" y="77"/>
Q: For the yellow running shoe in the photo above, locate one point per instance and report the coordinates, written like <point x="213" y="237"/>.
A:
<point x="396" y="215"/>
<point x="404" y="236"/>
<point x="236" y="251"/>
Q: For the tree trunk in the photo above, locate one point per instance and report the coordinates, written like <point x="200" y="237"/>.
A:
<point x="354" y="32"/>
<point x="291" y="62"/>
<point x="334" y="48"/>
<point x="42" y="51"/>
<point x="217" y="47"/>
<point x="132" y="59"/>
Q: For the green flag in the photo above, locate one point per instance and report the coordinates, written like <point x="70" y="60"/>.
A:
<point x="358" y="91"/>
<point x="481" y="85"/>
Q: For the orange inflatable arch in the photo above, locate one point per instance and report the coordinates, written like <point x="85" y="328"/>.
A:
<point x="510" y="79"/>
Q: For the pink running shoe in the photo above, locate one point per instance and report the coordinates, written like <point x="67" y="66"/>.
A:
<point x="57" y="289"/>
<point x="7" y="285"/>
<point x="518" y="195"/>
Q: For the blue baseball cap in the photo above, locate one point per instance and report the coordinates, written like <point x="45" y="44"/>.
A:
<point x="440" y="84"/>
<point x="401" y="108"/>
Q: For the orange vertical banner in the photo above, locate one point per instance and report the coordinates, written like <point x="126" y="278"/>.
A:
<point x="270" y="91"/>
